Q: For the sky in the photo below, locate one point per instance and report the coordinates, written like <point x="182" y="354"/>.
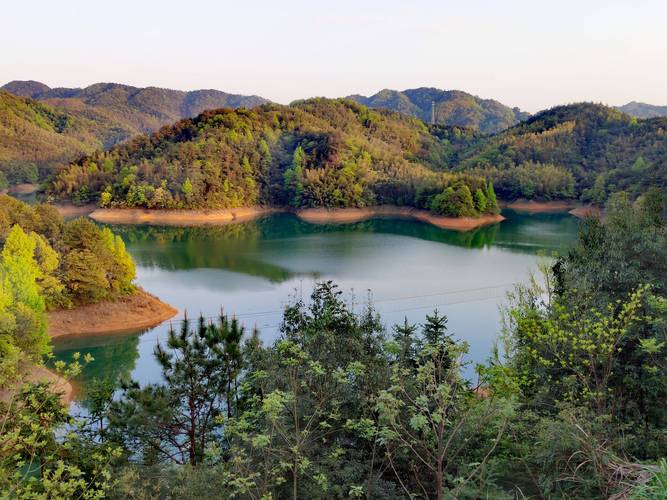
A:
<point x="531" y="54"/>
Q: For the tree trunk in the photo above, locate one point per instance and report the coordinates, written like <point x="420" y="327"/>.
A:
<point x="294" y="479"/>
<point x="439" y="481"/>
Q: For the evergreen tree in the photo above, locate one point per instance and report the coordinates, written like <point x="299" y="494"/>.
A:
<point x="293" y="177"/>
<point x="480" y="201"/>
<point x="177" y="421"/>
<point x="491" y="200"/>
<point x="405" y="337"/>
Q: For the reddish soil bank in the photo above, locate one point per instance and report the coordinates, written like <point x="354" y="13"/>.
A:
<point x="133" y="312"/>
<point x="178" y="217"/>
<point x="540" y="206"/>
<point x="33" y="373"/>
<point x="69" y="211"/>
<point x="586" y="211"/>
<point x="349" y="215"/>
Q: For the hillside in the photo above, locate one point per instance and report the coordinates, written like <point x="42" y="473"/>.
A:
<point x="98" y="116"/>
<point x="452" y="107"/>
<point x="595" y="149"/>
<point x="643" y="110"/>
<point x="35" y="137"/>
<point x="135" y="109"/>
<point x="313" y="153"/>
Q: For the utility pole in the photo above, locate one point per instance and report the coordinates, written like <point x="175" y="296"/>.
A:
<point x="432" y="112"/>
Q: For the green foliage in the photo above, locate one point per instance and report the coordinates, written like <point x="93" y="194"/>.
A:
<point x="36" y="138"/>
<point x="585" y="346"/>
<point x="454" y="201"/>
<point x="314" y="153"/>
<point x="48" y="264"/>
<point x="532" y="181"/>
<point x="36" y="463"/>
<point x="564" y="151"/>
<point x="178" y="421"/>
<point x="452" y="107"/>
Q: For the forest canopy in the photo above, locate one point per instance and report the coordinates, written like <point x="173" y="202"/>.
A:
<point x="337" y="153"/>
<point x="314" y="153"/>
<point x="45" y="264"/>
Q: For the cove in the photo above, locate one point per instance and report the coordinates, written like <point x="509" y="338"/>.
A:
<point x="406" y="268"/>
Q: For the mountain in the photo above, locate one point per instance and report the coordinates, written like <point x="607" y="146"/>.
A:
<point x="25" y="88"/>
<point x="35" y="137"/>
<point x="100" y="115"/>
<point x="643" y="110"/>
<point x="600" y="149"/>
<point x="452" y="107"/>
<point x="135" y="109"/>
<point x="313" y="153"/>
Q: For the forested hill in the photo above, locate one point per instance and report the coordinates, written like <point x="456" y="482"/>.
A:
<point x="35" y="136"/>
<point x="318" y="152"/>
<point x="643" y="110"/>
<point x="98" y="116"/>
<point x="452" y="107"/>
<point x="584" y="150"/>
<point x="134" y="109"/>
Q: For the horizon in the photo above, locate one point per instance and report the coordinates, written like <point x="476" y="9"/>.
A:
<point x="328" y="97"/>
<point x="604" y="52"/>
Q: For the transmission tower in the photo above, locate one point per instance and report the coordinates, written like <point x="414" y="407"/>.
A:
<point x="432" y="112"/>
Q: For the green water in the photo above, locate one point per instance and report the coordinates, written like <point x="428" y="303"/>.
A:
<point x="407" y="268"/>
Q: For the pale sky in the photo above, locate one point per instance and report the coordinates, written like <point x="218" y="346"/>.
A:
<point x="531" y="54"/>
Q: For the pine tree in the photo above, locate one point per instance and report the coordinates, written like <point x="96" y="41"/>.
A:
<point x="293" y="177"/>
<point x="480" y="201"/>
<point x="405" y="337"/>
<point x="491" y="200"/>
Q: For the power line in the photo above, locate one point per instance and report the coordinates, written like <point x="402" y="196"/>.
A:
<point x="254" y="314"/>
<point x="430" y="306"/>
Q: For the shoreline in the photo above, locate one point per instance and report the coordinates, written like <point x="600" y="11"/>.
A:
<point x="534" y="207"/>
<point x="351" y="215"/>
<point x="37" y="373"/>
<point x="70" y="211"/>
<point x="24" y="188"/>
<point x="586" y="211"/>
<point x="133" y="312"/>
<point x="179" y="217"/>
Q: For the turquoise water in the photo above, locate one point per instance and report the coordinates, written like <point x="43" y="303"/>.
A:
<point x="405" y="267"/>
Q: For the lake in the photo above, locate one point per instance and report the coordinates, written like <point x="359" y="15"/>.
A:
<point x="405" y="267"/>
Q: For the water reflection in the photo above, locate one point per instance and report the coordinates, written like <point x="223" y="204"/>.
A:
<point x="252" y="268"/>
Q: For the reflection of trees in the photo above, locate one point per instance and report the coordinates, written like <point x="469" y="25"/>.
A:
<point x="239" y="247"/>
<point x="534" y="233"/>
<point x="228" y="247"/>
<point x="115" y="357"/>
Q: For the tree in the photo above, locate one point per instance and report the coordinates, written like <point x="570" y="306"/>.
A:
<point x="25" y="320"/>
<point x="177" y="421"/>
<point x="38" y="460"/>
<point x="293" y="177"/>
<point x="429" y="419"/>
<point x="480" y="201"/>
<point x="491" y="200"/>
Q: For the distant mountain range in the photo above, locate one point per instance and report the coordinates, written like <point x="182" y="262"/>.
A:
<point x="452" y="107"/>
<point x="594" y="150"/>
<point x="643" y="110"/>
<point x="132" y="109"/>
<point x="41" y="127"/>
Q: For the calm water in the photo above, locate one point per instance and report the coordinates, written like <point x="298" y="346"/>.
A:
<point x="408" y="268"/>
